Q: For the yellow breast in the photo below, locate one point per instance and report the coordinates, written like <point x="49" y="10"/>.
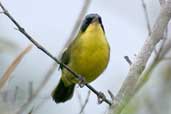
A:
<point x="90" y="54"/>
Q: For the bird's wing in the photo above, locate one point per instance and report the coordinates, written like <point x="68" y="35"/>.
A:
<point x="65" y="57"/>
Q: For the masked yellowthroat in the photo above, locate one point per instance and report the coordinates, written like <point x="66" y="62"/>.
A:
<point x="87" y="55"/>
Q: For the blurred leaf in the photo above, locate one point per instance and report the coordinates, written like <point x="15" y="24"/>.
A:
<point x="13" y="65"/>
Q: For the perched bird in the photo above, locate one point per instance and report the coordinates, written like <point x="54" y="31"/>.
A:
<point x="87" y="55"/>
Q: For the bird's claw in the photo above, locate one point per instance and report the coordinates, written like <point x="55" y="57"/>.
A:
<point x="81" y="82"/>
<point x="101" y="97"/>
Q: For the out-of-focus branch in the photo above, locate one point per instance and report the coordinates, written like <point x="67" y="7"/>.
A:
<point x="146" y="17"/>
<point x="147" y="20"/>
<point x="128" y="87"/>
<point x="30" y="90"/>
<point x="13" y="66"/>
<point x="146" y="75"/>
<point x="164" y="48"/>
<point x="80" y="100"/>
<point x="85" y="103"/>
<point x="128" y="60"/>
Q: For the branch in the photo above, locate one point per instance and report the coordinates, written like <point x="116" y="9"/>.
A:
<point x="146" y="17"/>
<point x="77" y="76"/>
<point x="13" y="66"/>
<point x="128" y="60"/>
<point x="157" y="59"/>
<point x="85" y="103"/>
<point x="163" y="49"/>
<point x="165" y="46"/>
<point x="128" y="87"/>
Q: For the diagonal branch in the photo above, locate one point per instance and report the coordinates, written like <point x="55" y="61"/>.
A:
<point x="146" y="17"/>
<point x="85" y="103"/>
<point x="128" y="87"/>
<point x="29" y="37"/>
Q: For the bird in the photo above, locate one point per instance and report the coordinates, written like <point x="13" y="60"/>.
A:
<point x="87" y="55"/>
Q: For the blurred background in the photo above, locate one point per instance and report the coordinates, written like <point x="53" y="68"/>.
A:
<point x="50" y="22"/>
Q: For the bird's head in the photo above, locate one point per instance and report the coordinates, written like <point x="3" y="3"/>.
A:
<point x="92" y="22"/>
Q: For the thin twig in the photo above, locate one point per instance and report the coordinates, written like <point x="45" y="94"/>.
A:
<point x="128" y="60"/>
<point x="111" y="95"/>
<point x="30" y="90"/>
<point x="80" y="101"/>
<point x="146" y="17"/>
<point x="15" y="93"/>
<point x="85" y="103"/>
<point x="127" y="90"/>
<point x="22" y="30"/>
<point x="13" y="66"/>
<point x="147" y="21"/>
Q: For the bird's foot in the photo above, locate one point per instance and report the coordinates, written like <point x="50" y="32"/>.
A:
<point x="81" y="82"/>
<point x="101" y="97"/>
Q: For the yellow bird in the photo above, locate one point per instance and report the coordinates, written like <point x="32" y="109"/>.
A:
<point x="88" y="55"/>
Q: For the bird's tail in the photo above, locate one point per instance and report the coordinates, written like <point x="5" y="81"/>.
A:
<point x="62" y="93"/>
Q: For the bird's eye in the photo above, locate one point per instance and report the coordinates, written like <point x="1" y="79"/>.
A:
<point x="86" y="23"/>
<point x="88" y="20"/>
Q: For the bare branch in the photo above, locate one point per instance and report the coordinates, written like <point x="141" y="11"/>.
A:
<point x="13" y="66"/>
<point x="163" y="49"/>
<point x="128" y="87"/>
<point x="30" y="90"/>
<point x="80" y="101"/>
<point x="146" y="17"/>
<point x="85" y="103"/>
<point x="166" y="46"/>
<point x="111" y="95"/>
<point x="147" y="21"/>
<point x="128" y="60"/>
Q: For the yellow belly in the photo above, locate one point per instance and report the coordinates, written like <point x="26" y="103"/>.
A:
<point x="90" y="63"/>
<point x="89" y="57"/>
